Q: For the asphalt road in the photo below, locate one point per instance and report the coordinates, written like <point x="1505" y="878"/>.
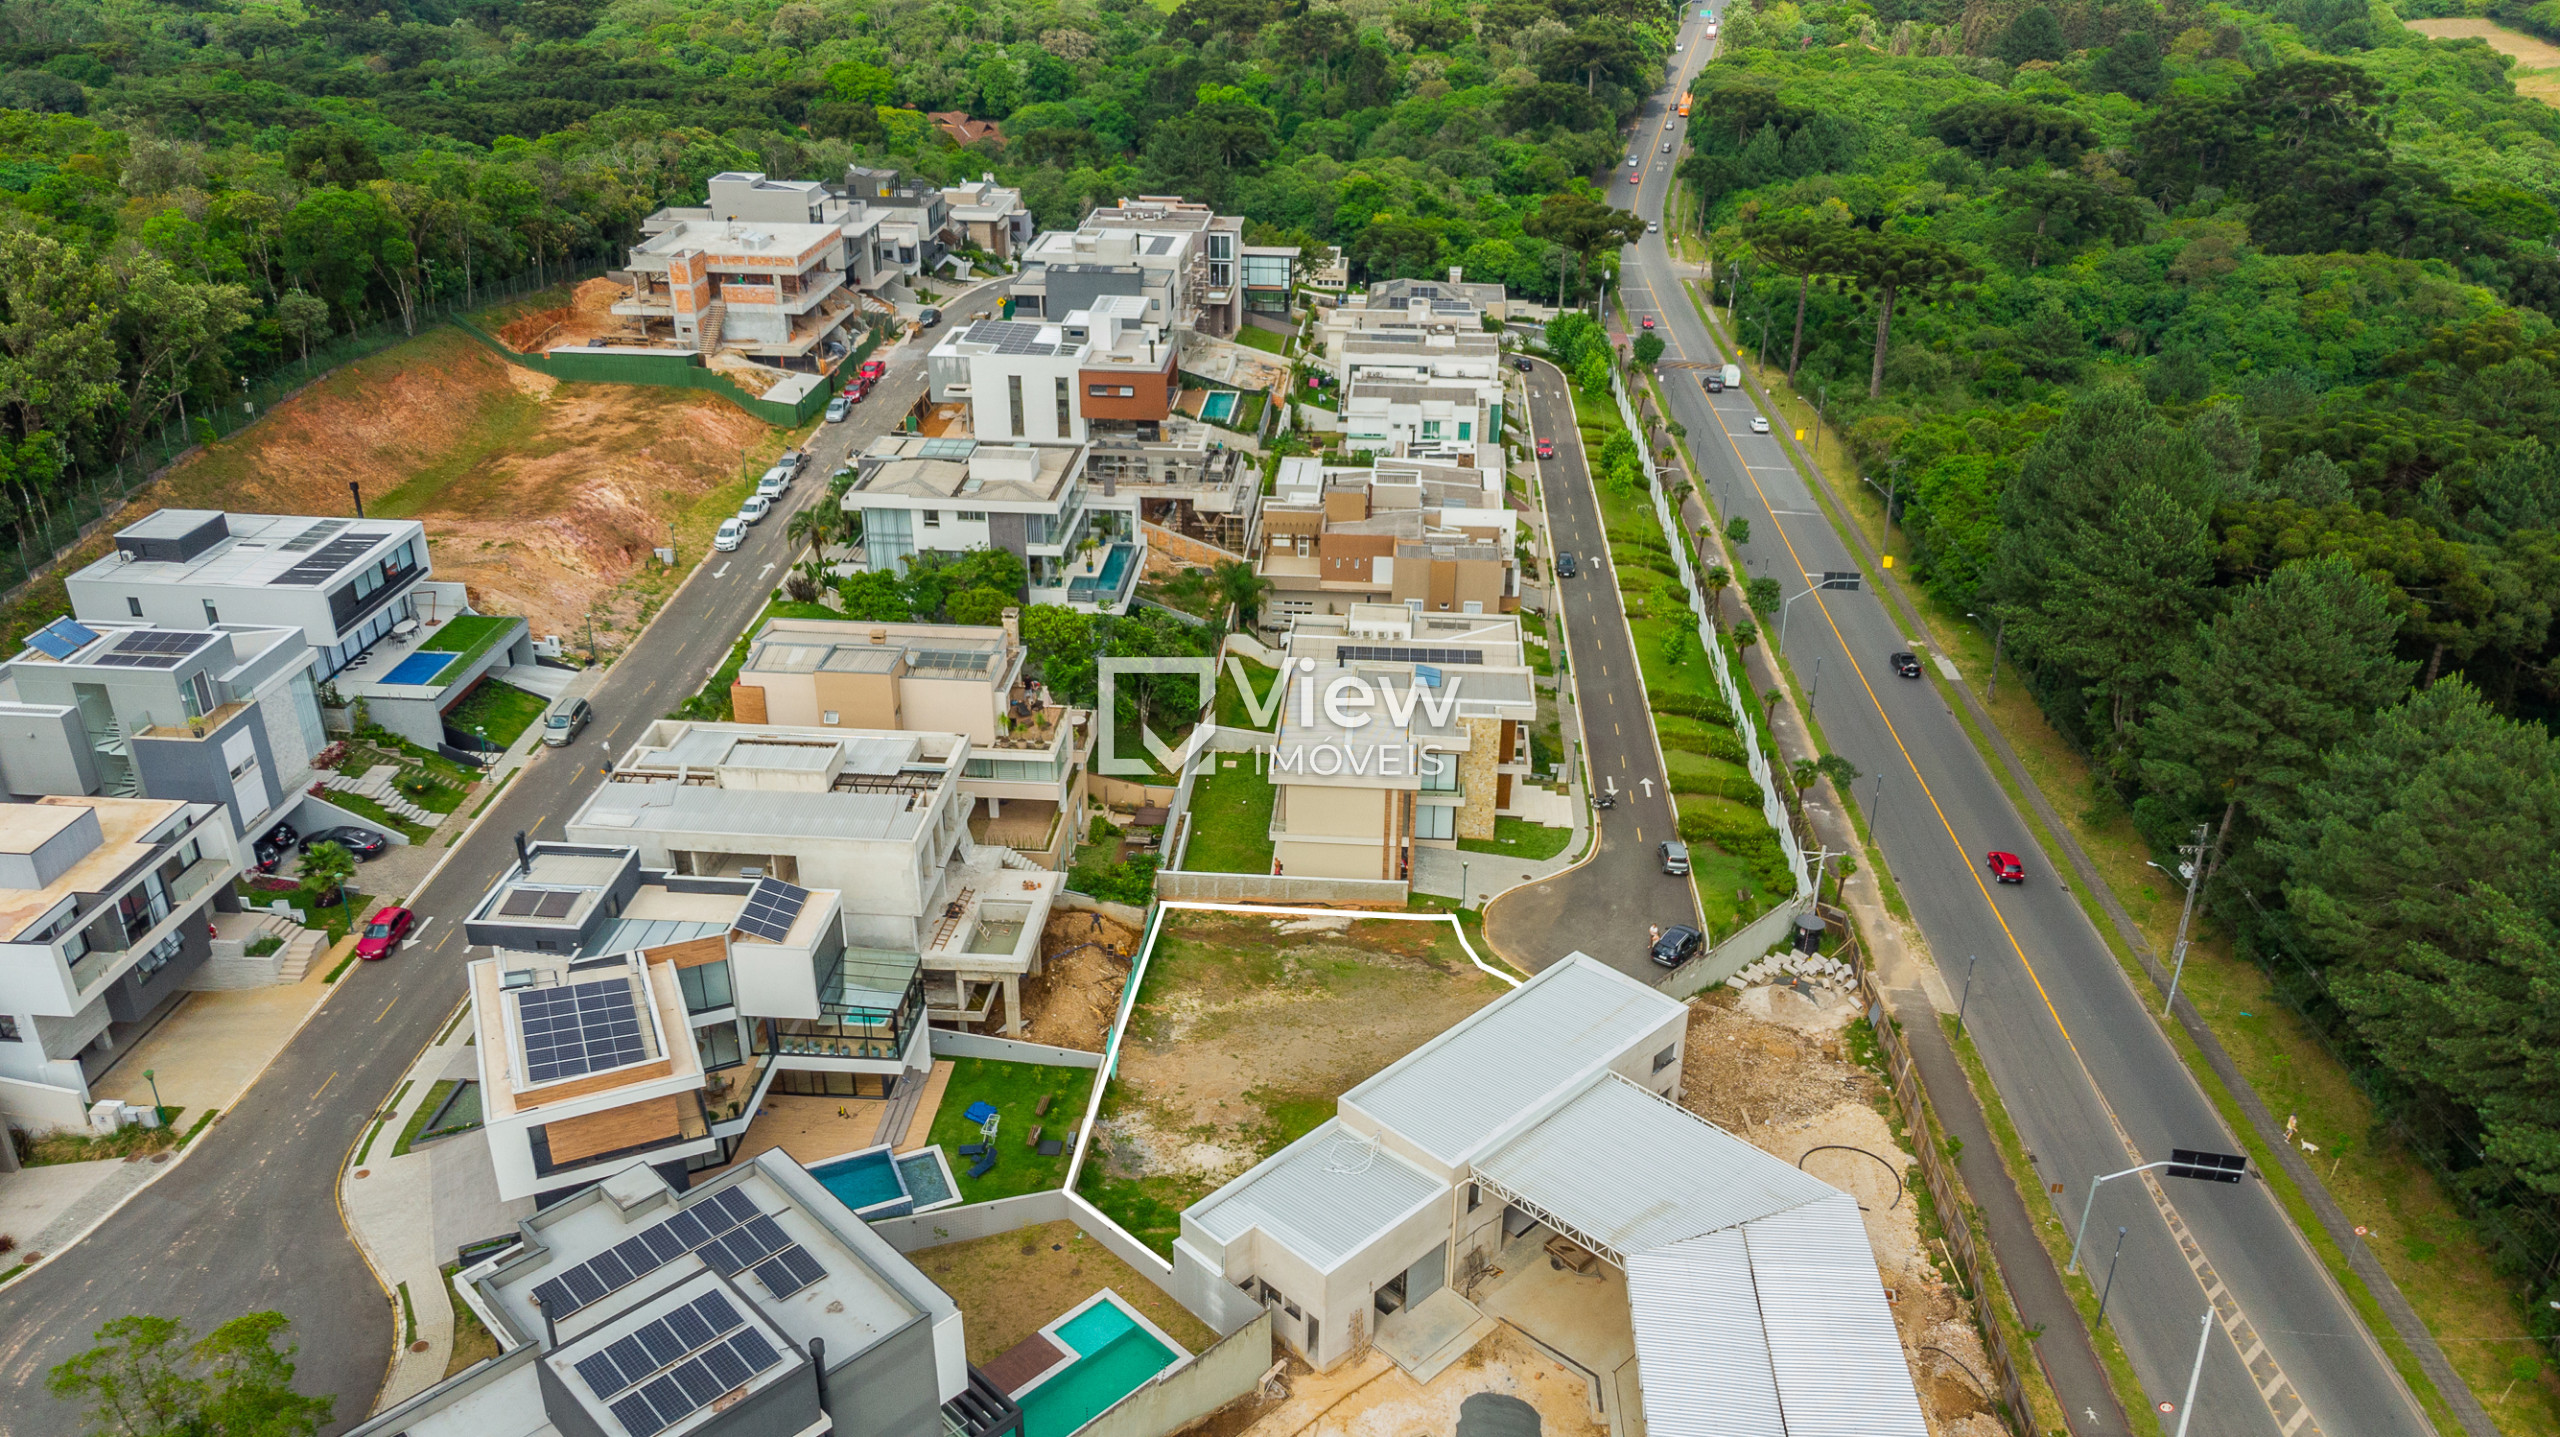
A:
<point x="250" y="1222"/>
<point x="2084" y="1070"/>
<point x="1605" y="906"/>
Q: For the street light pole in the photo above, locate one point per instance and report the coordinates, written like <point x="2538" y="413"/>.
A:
<point x="2110" y="1285"/>
<point x="1967" y="997"/>
<point x="2187" y="1408"/>
<point x="2092" y="1201"/>
<point x="159" y="1109"/>
<point x="2195" y="870"/>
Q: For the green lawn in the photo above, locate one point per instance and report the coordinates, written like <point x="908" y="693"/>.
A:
<point x="1253" y="337"/>
<point x="1230" y="817"/>
<point x="1519" y="838"/>
<point x="332" y="923"/>
<point x="469" y="636"/>
<point x="1015" y="1089"/>
<point x="500" y="712"/>
<point x="1231" y="704"/>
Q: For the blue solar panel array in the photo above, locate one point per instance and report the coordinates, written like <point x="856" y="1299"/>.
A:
<point x="62" y="638"/>
<point x="678" y="1364"/>
<point x="579" y="1029"/>
<point x="654" y="1247"/>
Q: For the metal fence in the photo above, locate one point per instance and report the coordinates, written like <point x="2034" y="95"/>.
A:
<point x="671" y="371"/>
<point x="92" y="492"/>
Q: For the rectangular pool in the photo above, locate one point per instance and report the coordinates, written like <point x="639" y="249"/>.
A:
<point x="1115" y="1355"/>
<point x="876" y="1185"/>
<point x="1221" y="404"/>
<point x="418" y="669"/>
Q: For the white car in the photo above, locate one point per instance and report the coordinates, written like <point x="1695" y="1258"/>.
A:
<point x="756" y="507"/>
<point x="838" y="408"/>
<point x="1666" y="147"/>
<point x="771" y="487"/>
<point x="732" y="533"/>
<point x="1759" y="424"/>
<point x="1633" y="161"/>
<point x="1653" y="227"/>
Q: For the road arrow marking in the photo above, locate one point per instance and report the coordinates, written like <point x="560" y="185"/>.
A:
<point x="722" y="572"/>
<point x="1648" y="786"/>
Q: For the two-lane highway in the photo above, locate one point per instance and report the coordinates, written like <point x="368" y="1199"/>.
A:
<point x="2090" y="1079"/>
<point x="250" y="1222"/>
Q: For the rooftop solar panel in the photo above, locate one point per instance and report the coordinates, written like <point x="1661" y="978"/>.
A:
<point x="62" y="638"/>
<point x="727" y="1366"/>
<point x="673" y="1406"/>
<point x="578" y="1029"/>
<point x="697" y="1382"/>
<point x="717" y="1310"/>
<point x="689" y="1228"/>
<point x="771" y="910"/>
<point x="769" y="1233"/>
<point x="519" y="902"/>
<point x="663" y="1245"/>
<point x="603" y="1377"/>
<point x="330" y="558"/>
<point x="584" y="1285"/>
<point x="722" y="1260"/>
<point x="662" y="1342"/>
<point x="555" y="905"/>
<point x="1390" y="654"/>
<point x="790" y="1270"/>
<point x="638" y="1256"/>
<point x="310" y="538"/>
<point x="753" y="1350"/>
<point x="632" y="1359"/>
<point x="636" y="1416"/>
<point x="690" y="1329"/>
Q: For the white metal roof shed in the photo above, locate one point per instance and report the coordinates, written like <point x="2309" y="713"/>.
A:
<point x="1324" y="1197"/>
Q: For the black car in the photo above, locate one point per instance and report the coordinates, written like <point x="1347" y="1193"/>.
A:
<point x="1715" y="383"/>
<point x="928" y="317"/>
<point x="264" y="856"/>
<point x="283" y="835"/>
<point x="1524" y="365"/>
<point x="1677" y="945"/>
<point x="1565" y="568"/>
<point x="362" y="842"/>
<point x="1907" y="665"/>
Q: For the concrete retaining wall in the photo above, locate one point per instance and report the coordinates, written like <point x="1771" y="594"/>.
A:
<point x="1123" y="1246"/>
<point x="1737" y="952"/>
<point x="318" y="813"/>
<point x="1230" y="1370"/>
<point x="948" y="1043"/>
<point x="1126" y="914"/>
<point x="41" y="1107"/>
<point x="1279" y="888"/>
<point x="976" y="1220"/>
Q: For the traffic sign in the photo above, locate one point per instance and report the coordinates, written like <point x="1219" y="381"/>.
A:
<point x="2206" y="1167"/>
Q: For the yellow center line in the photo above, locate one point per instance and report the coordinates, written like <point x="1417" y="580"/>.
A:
<point x="324" y="1084"/>
<point x="386" y="1011"/>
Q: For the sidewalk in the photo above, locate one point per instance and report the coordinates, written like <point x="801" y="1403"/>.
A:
<point x="410" y="1212"/>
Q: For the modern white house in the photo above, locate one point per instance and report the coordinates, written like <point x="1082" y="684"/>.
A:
<point x="879" y="817"/>
<point x="756" y="1305"/>
<point x="224" y="715"/>
<point x="949" y="495"/>
<point x="1180" y="257"/>
<point x="1537" y="1147"/>
<point x="103" y="906"/>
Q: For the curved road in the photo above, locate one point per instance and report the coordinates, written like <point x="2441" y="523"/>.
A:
<point x="2084" y="1070"/>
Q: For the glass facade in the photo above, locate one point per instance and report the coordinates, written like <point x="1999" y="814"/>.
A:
<point x="888" y="537"/>
<point x="706" y="986"/>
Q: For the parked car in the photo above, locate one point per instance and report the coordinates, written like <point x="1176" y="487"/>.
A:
<point x="1677" y="945"/>
<point x="756" y="507"/>
<point x="1546" y="448"/>
<point x="791" y="461"/>
<point x="839" y="407"/>
<point x="1907" y="665"/>
<point x="870" y="370"/>
<point x="928" y="317"/>
<point x="2005" y="867"/>
<point x="1759" y="423"/>
<point x="1675" y="857"/>
<point x="1565" y="567"/>
<point x="384" y="932"/>
<point x="775" y="481"/>
<point x="264" y="856"/>
<point x="362" y="842"/>
<point x="565" y="718"/>
<point x="732" y="533"/>
<point x="283" y="835"/>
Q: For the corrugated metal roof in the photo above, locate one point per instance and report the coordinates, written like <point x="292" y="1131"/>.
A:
<point x="1324" y="1197"/>
<point x="1635" y="1172"/>
<point x="1832" y="1344"/>
<point x="1464" y="1087"/>
<point x="1701" y="1357"/>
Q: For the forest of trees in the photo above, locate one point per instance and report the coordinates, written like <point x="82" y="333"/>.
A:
<point x="2220" y="376"/>
<point x="193" y="192"/>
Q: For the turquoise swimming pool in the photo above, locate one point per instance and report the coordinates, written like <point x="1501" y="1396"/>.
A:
<point x="876" y="1185"/>
<point x="1221" y="404"/>
<point x="1114" y="1357"/>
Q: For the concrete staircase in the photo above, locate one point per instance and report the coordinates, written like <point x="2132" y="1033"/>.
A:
<point x="377" y="784"/>
<point x="706" y="333"/>
<point x="231" y="966"/>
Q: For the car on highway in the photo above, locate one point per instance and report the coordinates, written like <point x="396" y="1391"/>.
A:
<point x="2005" y="867"/>
<point x="1546" y="448"/>
<point x="1678" y="944"/>
<point x="1675" y="857"/>
<point x="384" y="932"/>
<point x="1759" y="423"/>
<point x="839" y="407"/>
<point x="731" y="534"/>
<point x="756" y="507"/>
<point x="1648" y="321"/>
<point x="1653" y="227"/>
<point x="1565" y="567"/>
<point x="1907" y="665"/>
<point x="1635" y="179"/>
<point x="1631" y="161"/>
<point x="362" y="842"/>
<point x="1666" y="147"/>
<point x="1714" y="383"/>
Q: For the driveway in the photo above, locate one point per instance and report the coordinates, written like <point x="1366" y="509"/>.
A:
<point x="1605" y="906"/>
<point x="249" y="1221"/>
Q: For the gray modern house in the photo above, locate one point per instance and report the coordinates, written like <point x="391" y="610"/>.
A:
<point x="755" y="1305"/>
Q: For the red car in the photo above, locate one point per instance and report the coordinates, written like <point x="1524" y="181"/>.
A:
<point x="870" y="370"/>
<point x="2005" y="867"/>
<point x="384" y="933"/>
<point x="1648" y="321"/>
<point x="1546" y="449"/>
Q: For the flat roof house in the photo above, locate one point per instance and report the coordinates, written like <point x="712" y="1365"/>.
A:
<point x="987" y="216"/>
<point x="1543" y="1127"/>
<point x="755" y="1305"/>
<point x="879" y="817"/>
<point x="102" y="921"/>
<point x="223" y="715"/>
<point x="1027" y="755"/>
<point x="1434" y="418"/>
<point x="951" y="495"/>
<point x="1181" y="257"/>
<point x="1361" y="786"/>
<point x="1425" y="533"/>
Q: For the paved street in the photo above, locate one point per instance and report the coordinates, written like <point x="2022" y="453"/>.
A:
<point x="2084" y="1070"/>
<point x="1606" y="906"/>
<point x="250" y="1222"/>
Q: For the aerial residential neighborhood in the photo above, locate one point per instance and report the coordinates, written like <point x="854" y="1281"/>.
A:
<point x="1515" y="719"/>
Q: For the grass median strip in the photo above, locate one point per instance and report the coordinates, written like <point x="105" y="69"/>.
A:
<point x="379" y="1119"/>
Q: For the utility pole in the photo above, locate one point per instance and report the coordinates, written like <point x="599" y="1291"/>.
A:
<point x="2187" y="1408"/>
<point x="2109" y="1287"/>
<point x="1967" y="997"/>
<point x="2178" y="953"/>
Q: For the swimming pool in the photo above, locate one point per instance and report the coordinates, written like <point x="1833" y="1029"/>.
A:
<point x="1221" y="404"/>
<point x="877" y="1185"/>
<point x="418" y="668"/>
<point x="1115" y="1355"/>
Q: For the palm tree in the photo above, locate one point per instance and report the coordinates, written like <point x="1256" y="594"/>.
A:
<point x="1239" y="585"/>
<point x="814" y="526"/>
<point x="1718" y="578"/>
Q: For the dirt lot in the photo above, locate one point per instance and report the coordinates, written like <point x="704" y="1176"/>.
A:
<point x="1774" y="1067"/>
<point x="1008" y="1285"/>
<point x="1249" y="1028"/>
<point x="2536" y="59"/>
<point x="543" y="497"/>
<point x="1072" y="1002"/>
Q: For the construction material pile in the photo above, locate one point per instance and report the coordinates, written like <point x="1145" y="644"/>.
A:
<point x="1806" y="968"/>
